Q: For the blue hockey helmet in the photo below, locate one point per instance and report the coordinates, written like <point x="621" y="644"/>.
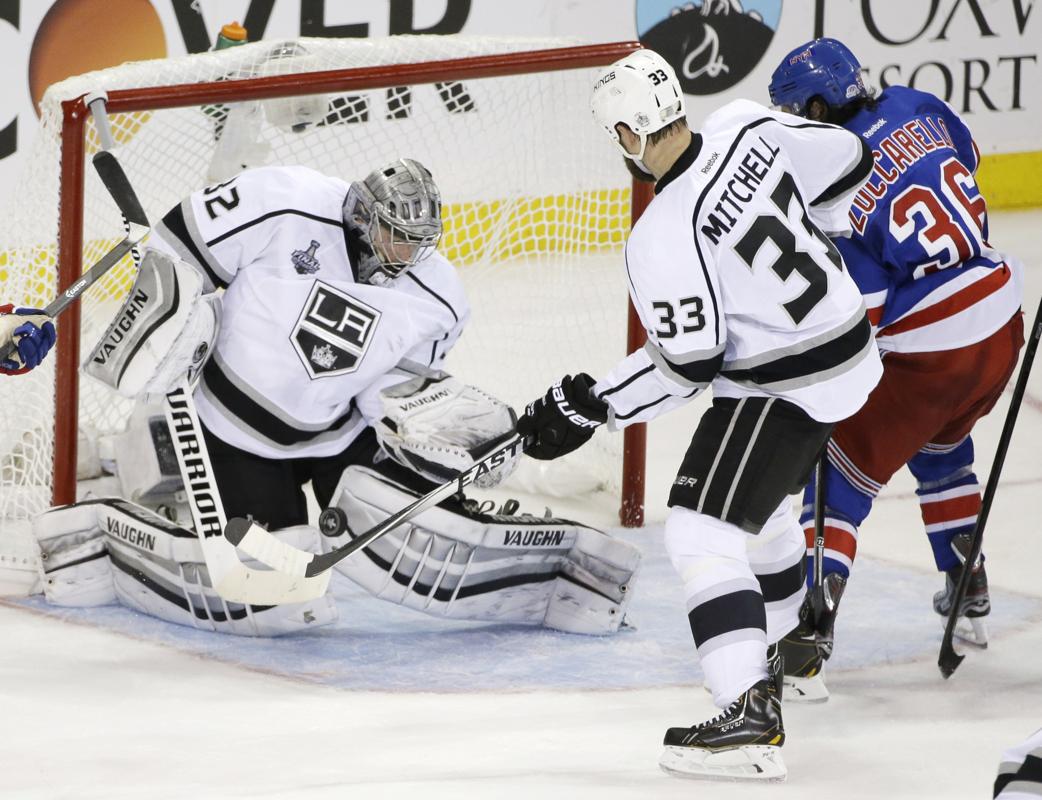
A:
<point x="822" y="68"/>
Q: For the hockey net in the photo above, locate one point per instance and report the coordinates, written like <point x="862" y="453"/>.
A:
<point x="537" y="207"/>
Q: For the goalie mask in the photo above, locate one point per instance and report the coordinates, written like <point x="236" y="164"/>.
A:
<point x="394" y="217"/>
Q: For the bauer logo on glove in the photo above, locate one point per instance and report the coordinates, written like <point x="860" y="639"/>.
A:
<point x="563" y="419"/>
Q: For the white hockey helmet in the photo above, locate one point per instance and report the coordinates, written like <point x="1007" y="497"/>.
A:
<point x="640" y="90"/>
<point x="394" y="217"/>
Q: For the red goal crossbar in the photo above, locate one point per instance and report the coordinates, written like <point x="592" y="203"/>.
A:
<point x="71" y="206"/>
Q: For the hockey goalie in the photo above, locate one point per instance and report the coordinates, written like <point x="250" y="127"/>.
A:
<point x="313" y="318"/>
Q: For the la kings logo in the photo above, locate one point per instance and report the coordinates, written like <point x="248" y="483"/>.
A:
<point x="304" y="261"/>
<point x="333" y="332"/>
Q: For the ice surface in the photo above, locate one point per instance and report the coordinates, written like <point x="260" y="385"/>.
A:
<point x="389" y="704"/>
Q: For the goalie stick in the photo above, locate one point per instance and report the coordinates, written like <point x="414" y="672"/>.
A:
<point x="948" y="660"/>
<point x="287" y="560"/>
<point x="115" y="179"/>
<point x="231" y="579"/>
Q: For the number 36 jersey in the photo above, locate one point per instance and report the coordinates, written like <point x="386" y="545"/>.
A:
<point x="303" y="349"/>
<point x="920" y="249"/>
<point x="734" y="276"/>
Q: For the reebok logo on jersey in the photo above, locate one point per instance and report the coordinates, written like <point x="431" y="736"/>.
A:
<point x="685" y="480"/>
<point x="709" y="163"/>
<point x="875" y="126"/>
<point x="333" y="332"/>
<point x="894" y="155"/>
<point x="739" y="189"/>
<point x="304" y="261"/>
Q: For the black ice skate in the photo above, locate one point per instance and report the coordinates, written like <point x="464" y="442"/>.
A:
<point x="976" y="605"/>
<point x="805" y="649"/>
<point x="742" y="743"/>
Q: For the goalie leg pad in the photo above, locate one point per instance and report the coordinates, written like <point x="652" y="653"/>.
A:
<point x="180" y="590"/>
<point x="455" y="563"/>
<point x="74" y="564"/>
<point x="157" y="568"/>
<point x="594" y="589"/>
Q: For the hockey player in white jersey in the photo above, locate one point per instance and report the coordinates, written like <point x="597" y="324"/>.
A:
<point x="321" y="359"/>
<point x="1020" y="771"/>
<point x="739" y="287"/>
<point x="32" y="333"/>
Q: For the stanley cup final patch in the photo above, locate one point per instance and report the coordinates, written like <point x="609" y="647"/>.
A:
<point x="334" y="331"/>
<point x="304" y="261"/>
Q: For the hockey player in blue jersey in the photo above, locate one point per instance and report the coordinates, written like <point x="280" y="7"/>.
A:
<point x="945" y="306"/>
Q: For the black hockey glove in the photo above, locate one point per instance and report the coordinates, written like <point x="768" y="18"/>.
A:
<point x="563" y="419"/>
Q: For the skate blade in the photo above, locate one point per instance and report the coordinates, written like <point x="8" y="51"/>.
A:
<point x="750" y="763"/>
<point x="972" y="631"/>
<point x="804" y="690"/>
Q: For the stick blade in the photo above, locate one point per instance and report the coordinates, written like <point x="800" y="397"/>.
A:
<point x="270" y="588"/>
<point x="949" y="660"/>
<point x="258" y="543"/>
<point x="118" y="185"/>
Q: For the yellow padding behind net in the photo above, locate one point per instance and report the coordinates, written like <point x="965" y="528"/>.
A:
<point x="476" y="232"/>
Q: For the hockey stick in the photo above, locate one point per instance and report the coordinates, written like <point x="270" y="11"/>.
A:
<point x="231" y="579"/>
<point x="115" y="179"/>
<point x="817" y="591"/>
<point x="291" y="561"/>
<point x="948" y="661"/>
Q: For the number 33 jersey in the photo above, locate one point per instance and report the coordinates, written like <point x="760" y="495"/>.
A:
<point x="303" y="348"/>
<point x="734" y="276"/>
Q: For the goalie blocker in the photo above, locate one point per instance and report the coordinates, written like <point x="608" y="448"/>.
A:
<point x="163" y="332"/>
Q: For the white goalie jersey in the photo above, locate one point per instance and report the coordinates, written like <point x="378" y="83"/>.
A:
<point x="304" y="348"/>
<point x="735" y="279"/>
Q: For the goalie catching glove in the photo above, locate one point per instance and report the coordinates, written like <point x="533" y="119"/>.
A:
<point x="438" y="427"/>
<point x="563" y="419"/>
<point x="164" y="331"/>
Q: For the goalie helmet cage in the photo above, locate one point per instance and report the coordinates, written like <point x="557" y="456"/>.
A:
<point x="537" y="207"/>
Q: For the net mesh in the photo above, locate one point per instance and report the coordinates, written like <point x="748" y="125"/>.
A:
<point x="536" y="211"/>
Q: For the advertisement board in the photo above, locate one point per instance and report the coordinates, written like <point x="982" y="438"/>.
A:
<point x="982" y="56"/>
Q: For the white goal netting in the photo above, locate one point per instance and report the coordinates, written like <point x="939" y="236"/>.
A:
<point x="537" y="209"/>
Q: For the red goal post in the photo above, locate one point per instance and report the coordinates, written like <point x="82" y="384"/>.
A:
<point x="74" y="150"/>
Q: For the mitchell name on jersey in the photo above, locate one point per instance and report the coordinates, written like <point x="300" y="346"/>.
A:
<point x="304" y="349"/>
<point x="734" y="276"/>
